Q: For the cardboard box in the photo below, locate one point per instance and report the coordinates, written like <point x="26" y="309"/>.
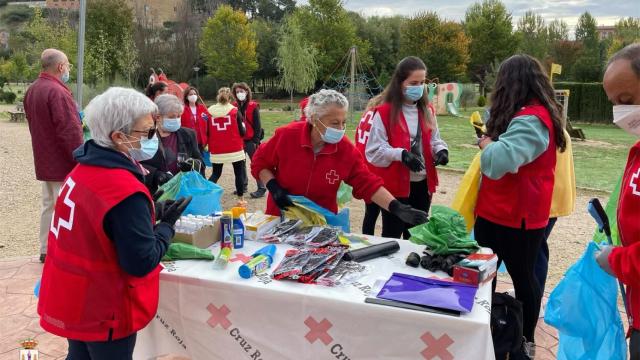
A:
<point x="258" y="224"/>
<point x="203" y="238"/>
<point x="476" y="269"/>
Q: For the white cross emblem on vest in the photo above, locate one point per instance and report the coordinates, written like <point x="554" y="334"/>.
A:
<point x="221" y="123"/>
<point x="61" y="223"/>
<point x="633" y="183"/>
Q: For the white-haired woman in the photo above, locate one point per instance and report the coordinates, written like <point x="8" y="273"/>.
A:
<point x="100" y="280"/>
<point x="175" y="142"/>
<point x="311" y="158"/>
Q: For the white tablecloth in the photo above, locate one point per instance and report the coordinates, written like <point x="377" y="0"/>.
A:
<point x="214" y="314"/>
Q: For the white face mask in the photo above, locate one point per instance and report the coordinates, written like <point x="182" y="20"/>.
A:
<point x="192" y="98"/>
<point x="241" y="96"/>
<point x="627" y="117"/>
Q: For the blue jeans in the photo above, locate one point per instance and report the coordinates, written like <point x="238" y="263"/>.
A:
<point x="542" y="261"/>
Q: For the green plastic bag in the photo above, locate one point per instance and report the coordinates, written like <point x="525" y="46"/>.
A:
<point x="344" y="194"/>
<point x="611" y="210"/>
<point x="182" y="251"/>
<point x="445" y="233"/>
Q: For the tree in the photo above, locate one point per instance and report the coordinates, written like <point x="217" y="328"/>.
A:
<point x="557" y="30"/>
<point x="267" y="48"/>
<point x="182" y="44"/>
<point x="228" y="46"/>
<point x="588" y="67"/>
<point x="296" y="59"/>
<point x="443" y="46"/>
<point x="627" y="32"/>
<point x="488" y="25"/>
<point x="565" y="53"/>
<point x="274" y="10"/>
<point x="532" y="35"/>
<point x="16" y="15"/>
<point x="327" y="26"/>
<point x="108" y="40"/>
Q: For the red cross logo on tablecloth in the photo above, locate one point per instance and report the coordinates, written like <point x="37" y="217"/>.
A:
<point x="318" y="330"/>
<point x="436" y="347"/>
<point x="332" y="176"/>
<point x="221" y="123"/>
<point x="634" y="182"/>
<point x="241" y="257"/>
<point x="218" y="316"/>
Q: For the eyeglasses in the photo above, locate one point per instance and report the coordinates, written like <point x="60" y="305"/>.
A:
<point x="70" y="66"/>
<point x="150" y="133"/>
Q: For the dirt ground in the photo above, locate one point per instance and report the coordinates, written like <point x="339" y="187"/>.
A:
<point x="20" y="204"/>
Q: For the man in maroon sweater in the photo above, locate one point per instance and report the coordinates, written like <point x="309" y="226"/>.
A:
<point x="55" y="132"/>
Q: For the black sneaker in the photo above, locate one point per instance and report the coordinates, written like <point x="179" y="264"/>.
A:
<point x="42" y="257"/>
<point x="236" y="192"/>
<point x="258" y="193"/>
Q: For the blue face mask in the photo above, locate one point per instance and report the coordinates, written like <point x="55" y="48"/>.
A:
<point x="171" y="125"/>
<point x="331" y="135"/>
<point x="65" y="77"/>
<point x="414" y="93"/>
<point x="148" y="148"/>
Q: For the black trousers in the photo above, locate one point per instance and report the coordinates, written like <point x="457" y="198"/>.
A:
<point x="634" y="345"/>
<point x="250" y="148"/>
<point x="371" y="212"/>
<point x="239" y="170"/>
<point x="121" y="349"/>
<point x="519" y="249"/>
<point x="542" y="261"/>
<point x="419" y="198"/>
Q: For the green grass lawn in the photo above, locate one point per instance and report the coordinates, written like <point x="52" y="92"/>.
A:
<point x="599" y="161"/>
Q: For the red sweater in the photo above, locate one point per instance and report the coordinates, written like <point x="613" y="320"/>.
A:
<point x="289" y="155"/>
<point x="55" y="127"/>
<point x="625" y="260"/>
<point x="197" y="123"/>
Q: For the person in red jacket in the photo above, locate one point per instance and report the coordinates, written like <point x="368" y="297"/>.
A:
<point x="101" y="279"/>
<point x="195" y="115"/>
<point x="55" y="130"/>
<point x="517" y="164"/>
<point x="311" y="159"/>
<point x="404" y="143"/>
<point x="250" y="111"/>
<point x="303" y="104"/>
<point x="372" y="210"/>
<point x="622" y="84"/>
<point x="225" y="132"/>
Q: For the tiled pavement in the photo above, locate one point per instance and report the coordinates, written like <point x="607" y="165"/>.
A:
<point x="19" y="320"/>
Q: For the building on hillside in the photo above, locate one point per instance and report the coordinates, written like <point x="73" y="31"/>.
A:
<point x="156" y="12"/>
<point x="605" y="32"/>
<point x="63" y="4"/>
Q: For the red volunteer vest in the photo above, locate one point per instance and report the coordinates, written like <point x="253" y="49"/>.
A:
<point x="197" y="123"/>
<point x="248" y="119"/>
<point x="84" y="292"/>
<point x="526" y="195"/>
<point x="224" y="137"/>
<point x="396" y="176"/>
<point x="628" y="224"/>
<point x="362" y="136"/>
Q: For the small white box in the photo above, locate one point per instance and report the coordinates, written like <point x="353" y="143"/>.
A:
<point x="258" y="224"/>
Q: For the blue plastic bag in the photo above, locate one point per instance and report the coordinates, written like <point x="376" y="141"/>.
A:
<point x="206" y="195"/>
<point x="206" y="157"/>
<point x="341" y="219"/>
<point x="583" y="307"/>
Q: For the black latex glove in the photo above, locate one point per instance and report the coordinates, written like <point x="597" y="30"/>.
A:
<point x="190" y="164"/>
<point x="408" y="214"/>
<point x="162" y="207"/>
<point x="441" y="158"/>
<point x="279" y="195"/>
<point x="412" y="161"/>
<point x="161" y="178"/>
<point x="172" y="213"/>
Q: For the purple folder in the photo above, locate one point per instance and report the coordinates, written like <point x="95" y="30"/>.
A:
<point x="429" y="292"/>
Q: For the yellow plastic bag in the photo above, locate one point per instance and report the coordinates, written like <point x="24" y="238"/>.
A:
<point x="465" y="200"/>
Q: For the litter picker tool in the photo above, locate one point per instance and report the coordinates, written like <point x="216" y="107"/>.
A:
<point x="600" y="216"/>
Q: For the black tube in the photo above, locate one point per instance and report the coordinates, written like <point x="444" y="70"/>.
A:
<point x="372" y="252"/>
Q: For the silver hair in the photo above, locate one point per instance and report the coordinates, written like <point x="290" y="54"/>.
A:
<point x="116" y="109"/>
<point x="320" y="101"/>
<point x="168" y="103"/>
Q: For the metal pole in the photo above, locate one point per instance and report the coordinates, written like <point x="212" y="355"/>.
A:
<point x="352" y="86"/>
<point x="79" y="77"/>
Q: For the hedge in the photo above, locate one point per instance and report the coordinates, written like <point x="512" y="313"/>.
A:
<point x="587" y="102"/>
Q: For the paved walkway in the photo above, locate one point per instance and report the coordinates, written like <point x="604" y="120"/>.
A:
<point x="19" y="319"/>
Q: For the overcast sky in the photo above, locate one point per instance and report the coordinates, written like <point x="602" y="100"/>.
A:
<point x="607" y="12"/>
